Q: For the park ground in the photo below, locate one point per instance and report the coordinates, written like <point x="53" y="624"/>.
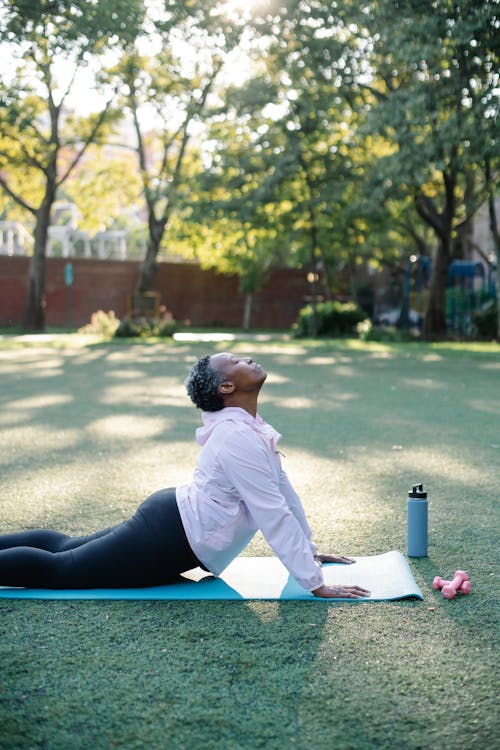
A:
<point x="90" y="429"/>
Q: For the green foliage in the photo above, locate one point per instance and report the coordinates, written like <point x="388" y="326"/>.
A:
<point x="71" y="24"/>
<point x="328" y="319"/>
<point x="163" y="327"/>
<point x="41" y="140"/>
<point x="401" y="97"/>
<point x="385" y="334"/>
<point x="102" y="324"/>
<point x="104" y="187"/>
<point x="176" y="84"/>
<point x="486" y="321"/>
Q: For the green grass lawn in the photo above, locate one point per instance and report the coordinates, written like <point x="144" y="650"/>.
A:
<point x="88" y="431"/>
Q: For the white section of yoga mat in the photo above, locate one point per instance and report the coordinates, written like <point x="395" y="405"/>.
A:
<point x="387" y="577"/>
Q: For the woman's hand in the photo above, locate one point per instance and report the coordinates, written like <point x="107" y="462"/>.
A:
<point x="340" y="592"/>
<point x="322" y="558"/>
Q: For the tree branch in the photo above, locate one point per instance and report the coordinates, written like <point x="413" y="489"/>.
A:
<point x="87" y="142"/>
<point x="380" y="95"/>
<point x="427" y="211"/>
<point x="450" y="181"/>
<point x="141" y="151"/>
<point x="69" y="86"/>
<point x="32" y="126"/>
<point x="32" y="160"/>
<point x="191" y="112"/>
<point x="15" y="197"/>
<point x="110" y="144"/>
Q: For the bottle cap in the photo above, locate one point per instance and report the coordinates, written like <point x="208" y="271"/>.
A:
<point x="418" y="492"/>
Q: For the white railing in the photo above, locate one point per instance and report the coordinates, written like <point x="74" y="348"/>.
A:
<point x="64" y="241"/>
<point x="14" y="239"/>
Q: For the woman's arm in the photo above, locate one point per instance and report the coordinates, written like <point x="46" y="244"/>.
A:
<point x="295" y="505"/>
<point x="248" y="465"/>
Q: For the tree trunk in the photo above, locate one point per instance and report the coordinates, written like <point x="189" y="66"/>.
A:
<point x="442" y="225"/>
<point x="496" y="241"/>
<point x="498" y="292"/>
<point x="327" y="289"/>
<point x="435" y="316"/>
<point x="492" y="211"/>
<point x="147" y="271"/>
<point x="149" y="266"/>
<point x="247" y="311"/>
<point x="34" y="315"/>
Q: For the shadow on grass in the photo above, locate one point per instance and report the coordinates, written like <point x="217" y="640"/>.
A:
<point x="208" y="675"/>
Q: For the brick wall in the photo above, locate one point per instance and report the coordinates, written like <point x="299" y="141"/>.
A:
<point x="204" y="298"/>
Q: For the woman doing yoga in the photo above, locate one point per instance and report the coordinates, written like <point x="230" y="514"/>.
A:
<point x="238" y="487"/>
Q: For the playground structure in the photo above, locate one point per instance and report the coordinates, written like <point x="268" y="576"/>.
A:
<point x="470" y="288"/>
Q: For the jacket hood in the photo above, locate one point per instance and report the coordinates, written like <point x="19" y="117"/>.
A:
<point x="235" y="414"/>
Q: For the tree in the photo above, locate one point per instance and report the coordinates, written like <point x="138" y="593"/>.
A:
<point x="420" y="76"/>
<point x="221" y="223"/>
<point x="235" y="219"/>
<point x="425" y="75"/>
<point x="241" y="248"/>
<point x="286" y="159"/>
<point x="51" y="43"/>
<point x="174" y="85"/>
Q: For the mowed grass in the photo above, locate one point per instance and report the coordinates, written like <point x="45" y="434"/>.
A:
<point x="87" y="432"/>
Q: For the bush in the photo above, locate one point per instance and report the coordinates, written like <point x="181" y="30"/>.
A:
<point x="386" y="334"/>
<point x="145" y="327"/>
<point x="486" y="321"/>
<point x="102" y="324"/>
<point x="332" y="319"/>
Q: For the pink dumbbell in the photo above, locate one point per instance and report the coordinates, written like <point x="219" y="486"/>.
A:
<point x="449" y="589"/>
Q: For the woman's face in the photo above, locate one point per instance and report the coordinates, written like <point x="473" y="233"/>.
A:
<point x="243" y="372"/>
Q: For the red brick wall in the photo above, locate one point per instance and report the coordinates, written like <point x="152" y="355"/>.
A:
<point x="203" y="297"/>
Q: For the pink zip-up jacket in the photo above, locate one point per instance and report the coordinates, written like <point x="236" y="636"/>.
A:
<point x="239" y="487"/>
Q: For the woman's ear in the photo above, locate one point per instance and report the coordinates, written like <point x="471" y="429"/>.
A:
<point x="226" y="388"/>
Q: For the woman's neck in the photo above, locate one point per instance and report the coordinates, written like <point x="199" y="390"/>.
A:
<point x="248" y="402"/>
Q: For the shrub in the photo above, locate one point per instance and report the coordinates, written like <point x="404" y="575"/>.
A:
<point x="167" y="326"/>
<point x="386" y="334"/>
<point x="332" y="319"/>
<point x="145" y="327"/>
<point x="486" y="321"/>
<point x="102" y="324"/>
<point x="127" y="329"/>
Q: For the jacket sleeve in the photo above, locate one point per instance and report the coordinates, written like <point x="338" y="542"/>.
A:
<point x="295" y="505"/>
<point x="247" y="463"/>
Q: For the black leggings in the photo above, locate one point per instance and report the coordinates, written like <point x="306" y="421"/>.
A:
<point x="149" y="549"/>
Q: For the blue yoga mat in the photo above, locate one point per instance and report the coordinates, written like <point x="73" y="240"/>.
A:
<point x="387" y="576"/>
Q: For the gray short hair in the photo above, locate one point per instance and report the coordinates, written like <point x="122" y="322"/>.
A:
<point x="203" y="385"/>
